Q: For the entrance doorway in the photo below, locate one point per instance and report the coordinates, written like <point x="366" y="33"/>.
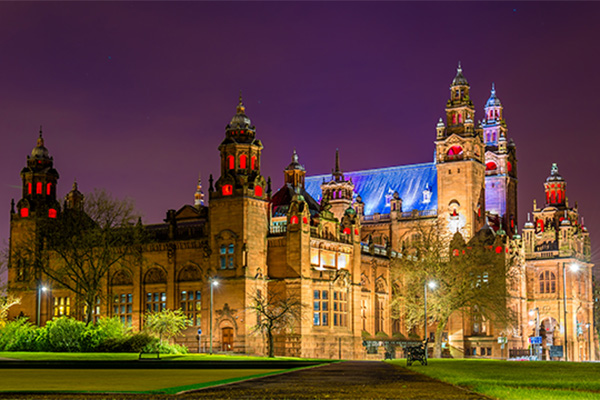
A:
<point x="227" y="339"/>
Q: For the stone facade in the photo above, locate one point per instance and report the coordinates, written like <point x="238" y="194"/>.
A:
<point x="329" y="241"/>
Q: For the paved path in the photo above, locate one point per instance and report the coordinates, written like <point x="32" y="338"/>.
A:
<point x="347" y="380"/>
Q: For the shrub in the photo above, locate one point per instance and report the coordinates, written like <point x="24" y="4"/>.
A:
<point x="141" y="341"/>
<point x="65" y="334"/>
<point x="105" y="334"/>
<point x="18" y="335"/>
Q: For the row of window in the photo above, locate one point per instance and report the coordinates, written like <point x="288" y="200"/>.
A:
<point x="25" y="212"/>
<point x="243" y="163"/>
<point x="39" y="188"/>
<point x="227" y="190"/>
<point x="326" y="308"/>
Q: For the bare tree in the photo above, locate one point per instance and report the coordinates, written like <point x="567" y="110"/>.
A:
<point x="470" y="278"/>
<point x="79" y="248"/>
<point x="276" y="312"/>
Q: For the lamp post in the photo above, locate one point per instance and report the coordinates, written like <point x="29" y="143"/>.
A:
<point x="41" y="289"/>
<point x="588" y="326"/>
<point x="536" y="311"/>
<point x="431" y="285"/>
<point x="573" y="268"/>
<point x="213" y="283"/>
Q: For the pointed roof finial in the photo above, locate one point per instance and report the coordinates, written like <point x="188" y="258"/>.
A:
<point x="294" y="157"/>
<point x="337" y="160"/>
<point x="240" y="107"/>
<point x="493" y="88"/>
<point x="75" y="184"/>
<point x="40" y="141"/>
<point x="459" y="79"/>
<point x="459" y="69"/>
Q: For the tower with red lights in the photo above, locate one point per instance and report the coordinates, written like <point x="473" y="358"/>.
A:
<point x="238" y="226"/>
<point x="459" y="160"/>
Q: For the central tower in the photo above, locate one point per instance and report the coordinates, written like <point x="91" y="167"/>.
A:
<point x="238" y="218"/>
<point x="460" y="163"/>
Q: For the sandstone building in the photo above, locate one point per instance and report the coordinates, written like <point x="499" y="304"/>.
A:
<point x="329" y="239"/>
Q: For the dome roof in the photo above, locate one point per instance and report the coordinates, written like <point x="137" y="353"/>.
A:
<point x="493" y="101"/>
<point x="459" y="79"/>
<point x="554" y="176"/>
<point x="240" y="120"/>
<point x="294" y="165"/>
<point x="39" y="151"/>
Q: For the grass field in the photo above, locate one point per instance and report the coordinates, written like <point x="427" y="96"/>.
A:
<point x="40" y="356"/>
<point x="512" y="380"/>
<point x="120" y="380"/>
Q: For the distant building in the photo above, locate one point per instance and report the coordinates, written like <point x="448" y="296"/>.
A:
<point x="329" y="240"/>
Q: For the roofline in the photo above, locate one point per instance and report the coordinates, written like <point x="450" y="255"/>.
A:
<point x="420" y="165"/>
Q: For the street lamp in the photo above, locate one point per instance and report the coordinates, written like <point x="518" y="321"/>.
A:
<point x="213" y="283"/>
<point x="588" y="326"/>
<point x="536" y="312"/>
<point x="432" y="285"/>
<point x="573" y="268"/>
<point x="41" y="288"/>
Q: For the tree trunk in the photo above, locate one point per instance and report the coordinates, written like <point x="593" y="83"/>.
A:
<point x="88" y="311"/>
<point x="437" y="346"/>
<point x="270" y="342"/>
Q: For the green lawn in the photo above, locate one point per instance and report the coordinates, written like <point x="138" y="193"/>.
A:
<point x="120" y="380"/>
<point x="514" y="380"/>
<point x="41" y="356"/>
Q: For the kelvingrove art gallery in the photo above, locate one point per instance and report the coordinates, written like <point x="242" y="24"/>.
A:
<point x="332" y="241"/>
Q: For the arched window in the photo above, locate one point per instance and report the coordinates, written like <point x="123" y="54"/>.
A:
<point x="243" y="161"/>
<point x="231" y="162"/>
<point x="48" y="188"/>
<point x="52" y="213"/>
<point x="38" y="188"/>
<point x="24" y="212"/>
<point x="547" y="282"/>
<point x="227" y="190"/>
<point x="294" y="220"/>
<point x="258" y="191"/>
<point x="490" y="166"/>
<point x="253" y="162"/>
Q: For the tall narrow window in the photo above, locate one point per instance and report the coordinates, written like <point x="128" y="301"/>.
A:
<point x="547" y="282"/>
<point x="321" y="308"/>
<point x="243" y="161"/>
<point x="258" y="191"/>
<point x="29" y="188"/>
<point x="226" y="253"/>
<point x="231" y="162"/>
<point x="48" y="188"/>
<point x="123" y="308"/>
<point x="253" y="162"/>
<point x="340" y="309"/>
<point x="24" y="212"/>
<point x="38" y="188"/>
<point x="191" y="305"/>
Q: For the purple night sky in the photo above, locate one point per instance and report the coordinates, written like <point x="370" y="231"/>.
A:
<point x="134" y="97"/>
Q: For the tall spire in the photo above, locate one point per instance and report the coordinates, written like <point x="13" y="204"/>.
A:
<point x="337" y="172"/>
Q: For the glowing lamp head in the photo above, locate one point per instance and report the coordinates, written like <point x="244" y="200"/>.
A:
<point x="432" y="284"/>
<point x="574" y="267"/>
<point x="215" y="283"/>
<point x="44" y="288"/>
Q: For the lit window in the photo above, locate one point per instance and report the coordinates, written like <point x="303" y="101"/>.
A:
<point x="231" y="162"/>
<point x="227" y="190"/>
<point x="253" y="162"/>
<point x="321" y="308"/>
<point x="38" y="188"/>
<point x="191" y="304"/>
<point x="48" y="188"/>
<point x="52" y="213"/>
<point x="62" y="306"/>
<point x="294" y="220"/>
<point x="156" y="301"/>
<point x="29" y="188"/>
<point x="305" y="220"/>
<point x="24" y="212"/>
<point x="499" y="249"/>
<point x="243" y="161"/>
<point x="490" y="166"/>
<point x="123" y="308"/>
<point x="258" y="191"/>
<point x="346" y="231"/>
<point x="455" y="151"/>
